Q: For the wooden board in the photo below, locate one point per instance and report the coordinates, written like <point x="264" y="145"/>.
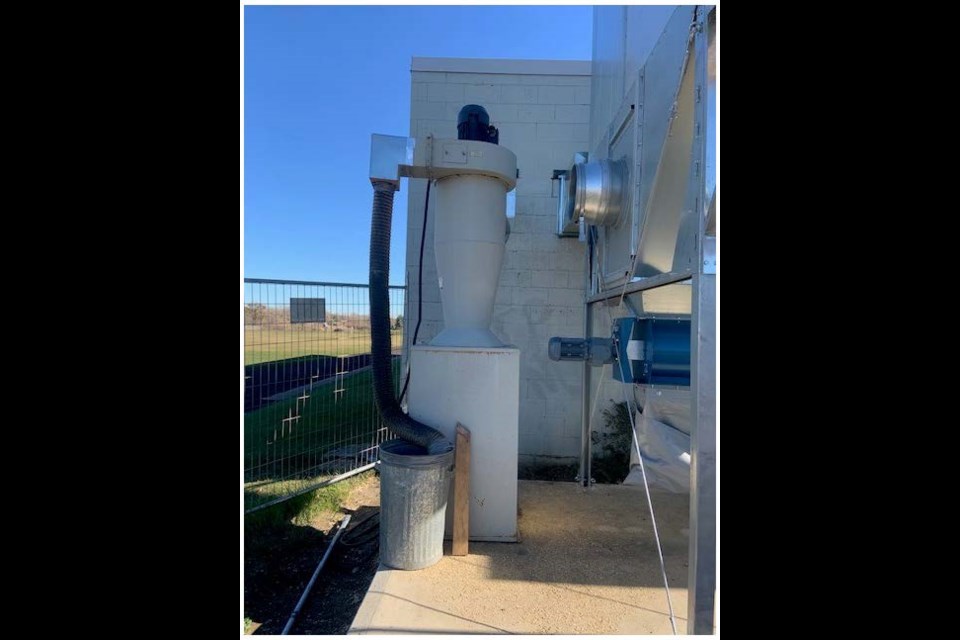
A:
<point x="461" y="493"/>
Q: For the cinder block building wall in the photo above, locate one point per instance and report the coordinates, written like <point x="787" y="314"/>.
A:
<point x="542" y="109"/>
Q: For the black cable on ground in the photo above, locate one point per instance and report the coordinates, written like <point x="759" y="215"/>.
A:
<point x="374" y="534"/>
<point x="375" y="514"/>
<point x="416" y="331"/>
<point x="363" y="532"/>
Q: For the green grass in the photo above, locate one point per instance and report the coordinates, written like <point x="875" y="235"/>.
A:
<point x="303" y="509"/>
<point x="266" y="343"/>
<point x="299" y="510"/>
<point x="330" y="408"/>
<point x="281" y="456"/>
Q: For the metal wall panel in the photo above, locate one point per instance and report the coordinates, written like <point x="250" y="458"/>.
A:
<point x="609" y="27"/>
<point x="643" y="28"/>
<point x="638" y="59"/>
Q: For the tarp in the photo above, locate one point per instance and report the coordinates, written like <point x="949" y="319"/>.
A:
<point x="664" y="437"/>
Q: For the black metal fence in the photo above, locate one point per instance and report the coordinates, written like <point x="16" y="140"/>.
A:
<point x="309" y="414"/>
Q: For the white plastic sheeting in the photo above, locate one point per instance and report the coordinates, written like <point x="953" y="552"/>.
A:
<point x="664" y="438"/>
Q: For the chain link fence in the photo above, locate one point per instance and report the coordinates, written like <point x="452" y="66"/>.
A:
<point x="309" y="413"/>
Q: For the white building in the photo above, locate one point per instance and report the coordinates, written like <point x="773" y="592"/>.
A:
<point x="541" y="108"/>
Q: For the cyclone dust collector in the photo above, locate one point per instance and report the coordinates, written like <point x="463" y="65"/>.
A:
<point x="465" y="374"/>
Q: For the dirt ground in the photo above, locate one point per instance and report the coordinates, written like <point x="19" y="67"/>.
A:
<point x="278" y="568"/>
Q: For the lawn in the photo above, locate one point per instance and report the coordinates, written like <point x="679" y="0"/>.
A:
<point x="335" y="430"/>
<point x="266" y="343"/>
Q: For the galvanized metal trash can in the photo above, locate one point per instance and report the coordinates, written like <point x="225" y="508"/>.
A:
<point x="413" y="501"/>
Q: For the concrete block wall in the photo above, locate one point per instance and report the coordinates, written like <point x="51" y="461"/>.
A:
<point x="542" y="111"/>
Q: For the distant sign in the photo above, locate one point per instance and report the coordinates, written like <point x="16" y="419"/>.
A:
<point x="308" y="310"/>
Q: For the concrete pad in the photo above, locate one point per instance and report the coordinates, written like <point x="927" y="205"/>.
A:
<point x="586" y="563"/>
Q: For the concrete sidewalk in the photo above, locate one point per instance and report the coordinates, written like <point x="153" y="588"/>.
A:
<point x="586" y="563"/>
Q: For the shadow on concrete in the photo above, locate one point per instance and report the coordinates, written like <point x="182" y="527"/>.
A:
<point x="599" y="536"/>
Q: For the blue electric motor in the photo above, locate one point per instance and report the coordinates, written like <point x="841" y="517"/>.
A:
<point x="653" y="351"/>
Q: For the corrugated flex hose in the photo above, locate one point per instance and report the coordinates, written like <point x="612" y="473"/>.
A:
<point x="396" y="420"/>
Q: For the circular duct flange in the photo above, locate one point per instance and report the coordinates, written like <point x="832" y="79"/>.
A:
<point x="596" y="191"/>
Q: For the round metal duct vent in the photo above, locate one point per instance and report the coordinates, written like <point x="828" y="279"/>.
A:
<point x="596" y="191"/>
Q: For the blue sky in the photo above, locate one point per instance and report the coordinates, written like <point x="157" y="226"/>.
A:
<point x="318" y="81"/>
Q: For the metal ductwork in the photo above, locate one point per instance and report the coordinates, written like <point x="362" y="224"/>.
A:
<point x="596" y="191"/>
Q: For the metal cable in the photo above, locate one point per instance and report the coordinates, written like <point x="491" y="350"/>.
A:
<point x="416" y="330"/>
<point x="646" y="488"/>
<point x="636" y="444"/>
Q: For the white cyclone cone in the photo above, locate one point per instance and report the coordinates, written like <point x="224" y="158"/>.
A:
<point x="469" y="238"/>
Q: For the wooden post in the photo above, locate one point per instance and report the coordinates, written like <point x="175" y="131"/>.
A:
<point x="461" y="493"/>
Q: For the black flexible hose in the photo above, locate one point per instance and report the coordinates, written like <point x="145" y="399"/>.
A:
<point x="396" y="420"/>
